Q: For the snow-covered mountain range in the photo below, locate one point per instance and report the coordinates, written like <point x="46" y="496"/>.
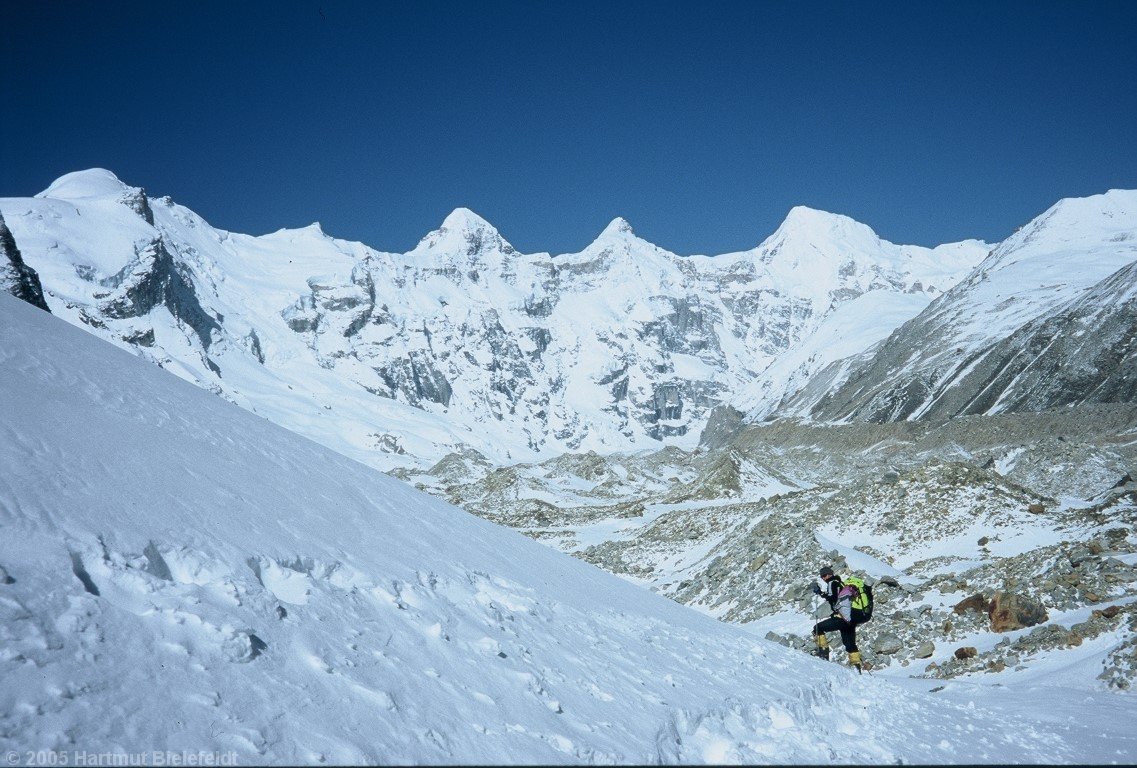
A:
<point x="399" y="359"/>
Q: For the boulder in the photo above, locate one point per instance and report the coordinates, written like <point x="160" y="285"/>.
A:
<point x="974" y="603"/>
<point x="1009" y="611"/>
<point x="966" y="652"/>
<point x="1036" y="509"/>
<point x="925" y="650"/>
<point x="1109" y="612"/>
<point x="887" y="644"/>
<point x="1080" y="554"/>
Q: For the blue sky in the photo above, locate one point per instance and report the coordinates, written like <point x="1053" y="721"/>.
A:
<point x="701" y="123"/>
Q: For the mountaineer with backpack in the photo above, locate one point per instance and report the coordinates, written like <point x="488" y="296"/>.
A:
<point x="851" y="602"/>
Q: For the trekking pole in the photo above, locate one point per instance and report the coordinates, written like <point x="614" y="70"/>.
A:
<point x="813" y="618"/>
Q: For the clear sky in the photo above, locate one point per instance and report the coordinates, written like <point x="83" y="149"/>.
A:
<point x="702" y="123"/>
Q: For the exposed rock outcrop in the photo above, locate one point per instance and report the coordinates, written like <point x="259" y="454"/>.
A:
<point x="154" y="279"/>
<point x="16" y="277"/>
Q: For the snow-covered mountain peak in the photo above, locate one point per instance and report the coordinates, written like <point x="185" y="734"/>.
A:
<point x="464" y="232"/>
<point x="463" y="219"/>
<point x="618" y="237"/>
<point x="1110" y="217"/>
<point x="93" y="182"/>
<point x="618" y="228"/>
<point x="313" y="230"/>
<point x="814" y="227"/>
<point x="813" y="221"/>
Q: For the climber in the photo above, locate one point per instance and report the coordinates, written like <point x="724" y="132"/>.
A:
<point x="851" y="605"/>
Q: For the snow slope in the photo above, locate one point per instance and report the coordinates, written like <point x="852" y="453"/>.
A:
<point x="179" y="574"/>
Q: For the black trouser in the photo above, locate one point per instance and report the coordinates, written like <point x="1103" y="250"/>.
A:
<point x="847" y="629"/>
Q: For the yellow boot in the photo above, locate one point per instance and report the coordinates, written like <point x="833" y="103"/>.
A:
<point x="855" y="659"/>
<point x="823" y="647"/>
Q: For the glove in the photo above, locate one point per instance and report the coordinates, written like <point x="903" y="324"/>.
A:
<point x="816" y="590"/>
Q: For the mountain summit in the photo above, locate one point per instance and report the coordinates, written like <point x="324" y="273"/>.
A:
<point x="618" y="227"/>
<point x="91" y="183"/>
<point x="464" y="232"/>
<point x="812" y="224"/>
<point x="464" y="220"/>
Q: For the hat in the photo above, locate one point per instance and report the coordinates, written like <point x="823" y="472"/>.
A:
<point x="826" y="571"/>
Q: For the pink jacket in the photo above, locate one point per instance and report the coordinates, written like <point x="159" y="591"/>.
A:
<point x="845" y="603"/>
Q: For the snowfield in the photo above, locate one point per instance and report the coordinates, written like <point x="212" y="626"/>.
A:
<point x="182" y="575"/>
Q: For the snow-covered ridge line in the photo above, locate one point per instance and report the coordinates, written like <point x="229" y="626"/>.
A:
<point x="399" y="359"/>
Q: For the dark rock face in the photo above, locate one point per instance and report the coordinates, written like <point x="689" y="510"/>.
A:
<point x="418" y="380"/>
<point x="542" y="307"/>
<point x="144" y="338"/>
<point x="541" y="338"/>
<point x="668" y="402"/>
<point x="138" y="202"/>
<point x="154" y="279"/>
<point x="16" y="277"/>
<point x="687" y="329"/>
<point x="254" y="342"/>
<point x="332" y="308"/>
<point x="723" y="425"/>
<point x="1083" y="352"/>
<point x="1009" y="611"/>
